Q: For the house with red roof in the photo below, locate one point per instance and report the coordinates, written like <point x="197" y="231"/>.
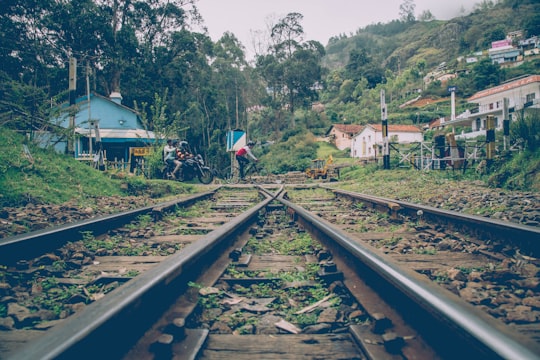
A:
<point x="521" y="94"/>
<point x="341" y="134"/>
<point x="366" y="143"/>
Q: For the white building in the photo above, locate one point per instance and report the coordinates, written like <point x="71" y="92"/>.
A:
<point x="366" y="143"/>
<point x="522" y="94"/>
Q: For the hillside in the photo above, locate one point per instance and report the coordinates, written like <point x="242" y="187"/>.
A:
<point x="398" y="57"/>
<point x="399" y="44"/>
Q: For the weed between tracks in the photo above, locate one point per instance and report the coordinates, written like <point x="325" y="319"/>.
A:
<point x="38" y="292"/>
<point x="251" y="301"/>
<point x="42" y="289"/>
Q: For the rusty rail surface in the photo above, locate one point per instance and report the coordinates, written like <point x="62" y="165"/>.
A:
<point x="108" y="326"/>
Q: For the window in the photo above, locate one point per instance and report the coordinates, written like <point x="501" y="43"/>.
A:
<point x="530" y="97"/>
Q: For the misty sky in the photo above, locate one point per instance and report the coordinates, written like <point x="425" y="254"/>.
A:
<point x="323" y="19"/>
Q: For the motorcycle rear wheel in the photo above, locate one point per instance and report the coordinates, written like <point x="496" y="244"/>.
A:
<point x="206" y="176"/>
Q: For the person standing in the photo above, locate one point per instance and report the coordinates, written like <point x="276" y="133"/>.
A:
<point x="242" y="157"/>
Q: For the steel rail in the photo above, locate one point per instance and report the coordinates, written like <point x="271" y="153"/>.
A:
<point x="33" y="244"/>
<point x="526" y="237"/>
<point x="477" y="334"/>
<point x="108" y="327"/>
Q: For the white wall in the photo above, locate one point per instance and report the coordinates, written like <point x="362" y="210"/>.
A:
<point x="362" y="143"/>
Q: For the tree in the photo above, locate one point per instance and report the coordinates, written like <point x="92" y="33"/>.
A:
<point x="228" y="64"/>
<point x="406" y="11"/>
<point x="287" y="34"/>
<point x="358" y="58"/>
<point x="292" y="68"/>
<point x="361" y="65"/>
<point x="486" y="74"/>
<point x="494" y="34"/>
<point x="30" y="65"/>
<point x="303" y="73"/>
<point x="484" y="5"/>
<point x="532" y="24"/>
<point x="426" y="15"/>
<point x="137" y="28"/>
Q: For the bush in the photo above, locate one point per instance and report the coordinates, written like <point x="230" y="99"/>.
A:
<point x="295" y="154"/>
<point x="528" y="130"/>
<point x="522" y="172"/>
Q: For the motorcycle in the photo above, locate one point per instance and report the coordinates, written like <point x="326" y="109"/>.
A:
<point x="192" y="168"/>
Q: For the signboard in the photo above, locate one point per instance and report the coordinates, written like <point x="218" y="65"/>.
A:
<point x="141" y="151"/>
<point x="500" y="43"/>
<point x="452" y="88"/>
<point x="235" y="139"/>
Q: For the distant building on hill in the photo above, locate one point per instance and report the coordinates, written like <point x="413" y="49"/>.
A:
<point x="502" y="51"/>
<point x="341" y="134"/>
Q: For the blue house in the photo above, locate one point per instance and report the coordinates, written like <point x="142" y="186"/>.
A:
<point x="118" y="127"/>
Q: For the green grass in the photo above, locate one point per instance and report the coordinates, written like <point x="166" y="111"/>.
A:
<point x="47" y="177"/>
<point x="51" y="178"/>
<point x="339" y="156"/>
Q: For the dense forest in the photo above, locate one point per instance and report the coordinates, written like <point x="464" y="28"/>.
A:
<point x="185" y="85"/>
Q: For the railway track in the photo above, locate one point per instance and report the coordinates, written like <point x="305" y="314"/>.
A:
<point x="490" y="264"/>
<point x="253" y="274"/>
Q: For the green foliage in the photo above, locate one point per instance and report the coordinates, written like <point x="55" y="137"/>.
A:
<point x="521" y="172"/>
<point x="55" y="296"/>
<point x="513" y="171"/>
<point x="190" y="87"/>
<point x="408" y="50"/>
<point x="44" y="176"/>
<point x="291" y="68"/>
<point x="324" y="150"/>
<point x="527" y="129"/>
<point x="295" y="154"/>
<point x="297" y="244"/>
<point x="486" y="74"/>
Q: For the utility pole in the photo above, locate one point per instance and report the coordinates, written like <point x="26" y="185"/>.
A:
<point x="99" y="160"/>
<point x="72" y="94"/>
<point x="506" y="122"/>
<point x="453" y="90"/>
<point x="490" y="140"/>
<point x="386" y="148"/>
<point x="90" y="150"/>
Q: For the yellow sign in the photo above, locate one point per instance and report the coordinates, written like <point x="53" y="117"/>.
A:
<point x="141" y="151"/>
